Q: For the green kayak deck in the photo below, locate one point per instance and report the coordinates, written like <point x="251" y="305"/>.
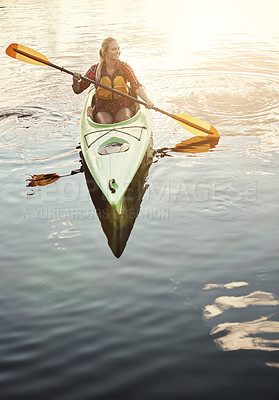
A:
<point x="114" y="152"/>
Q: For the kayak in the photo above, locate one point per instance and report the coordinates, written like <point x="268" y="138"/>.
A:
<point x="114" y="152"/>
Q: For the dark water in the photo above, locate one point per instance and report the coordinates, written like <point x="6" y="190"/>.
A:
<point x="178" y="299"/>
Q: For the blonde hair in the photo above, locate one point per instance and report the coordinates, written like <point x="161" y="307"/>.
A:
<point x="102" y="52"/>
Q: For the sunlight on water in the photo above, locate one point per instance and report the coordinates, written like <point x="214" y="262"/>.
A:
<point x="247" y="335"/>
<point x="224" y="303"/>
<point x="194" y="28"/>
<point x="230" y="285"/>
<point x="274" y="365"/>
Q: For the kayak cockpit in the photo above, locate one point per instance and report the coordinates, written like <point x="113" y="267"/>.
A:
<point x="91" y="108"/>
<point x="114" y="134"/>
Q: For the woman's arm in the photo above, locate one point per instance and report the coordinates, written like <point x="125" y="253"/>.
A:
<point x="141" y="93"/>
<point x="79" y="85"/>
<point x="135" y="84"/>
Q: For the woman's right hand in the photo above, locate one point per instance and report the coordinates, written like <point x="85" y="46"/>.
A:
<point x="76" y="77"/>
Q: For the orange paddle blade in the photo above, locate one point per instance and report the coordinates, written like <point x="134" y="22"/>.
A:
<point x="199" y="124"/>
<point x="14" y="51"/>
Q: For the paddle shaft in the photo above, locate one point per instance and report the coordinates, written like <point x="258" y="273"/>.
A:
<point x="62" y="69"/>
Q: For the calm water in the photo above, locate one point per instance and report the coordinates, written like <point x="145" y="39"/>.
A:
<point x="179" y="298"/>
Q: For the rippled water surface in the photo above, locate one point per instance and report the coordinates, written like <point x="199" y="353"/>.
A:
<point x="178" y="298"/>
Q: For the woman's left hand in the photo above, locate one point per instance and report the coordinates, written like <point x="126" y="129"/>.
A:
<point x="149" y="104"/>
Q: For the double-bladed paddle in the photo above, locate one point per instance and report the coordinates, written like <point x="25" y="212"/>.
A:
<point x="193" y="125"/>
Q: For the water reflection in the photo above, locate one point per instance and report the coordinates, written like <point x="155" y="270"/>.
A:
<point x="46" y="179"/>
<point x="230" y="285"/>
<point x="118" y="227"/>
<point x="258" y="334"/>
<point x="274" y="365"/>
<point x="224" y="303"/>
<point x="248" y="335"/>
<point x="192" y="146"/>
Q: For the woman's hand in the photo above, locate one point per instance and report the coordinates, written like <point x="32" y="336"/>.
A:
<point x="76" y="77"/>
<point x="149" y="104"/>
<point x="76" y="80"/>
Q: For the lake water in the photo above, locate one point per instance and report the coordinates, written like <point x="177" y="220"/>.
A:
<point x="180" y="299"/>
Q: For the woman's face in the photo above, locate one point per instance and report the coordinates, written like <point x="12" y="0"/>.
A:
<point x="113" y="51"/>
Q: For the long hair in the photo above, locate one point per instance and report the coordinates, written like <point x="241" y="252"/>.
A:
<point x="102" y="52"/>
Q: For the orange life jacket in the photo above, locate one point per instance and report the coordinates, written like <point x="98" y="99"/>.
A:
<point x="117" y="83"/>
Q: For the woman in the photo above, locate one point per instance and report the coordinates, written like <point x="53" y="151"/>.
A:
<point x="112" y="72"/>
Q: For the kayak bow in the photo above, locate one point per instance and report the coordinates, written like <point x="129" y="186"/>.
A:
<point x="114" y="152"/>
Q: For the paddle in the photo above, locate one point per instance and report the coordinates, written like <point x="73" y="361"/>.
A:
<point x="193" y="125"/>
